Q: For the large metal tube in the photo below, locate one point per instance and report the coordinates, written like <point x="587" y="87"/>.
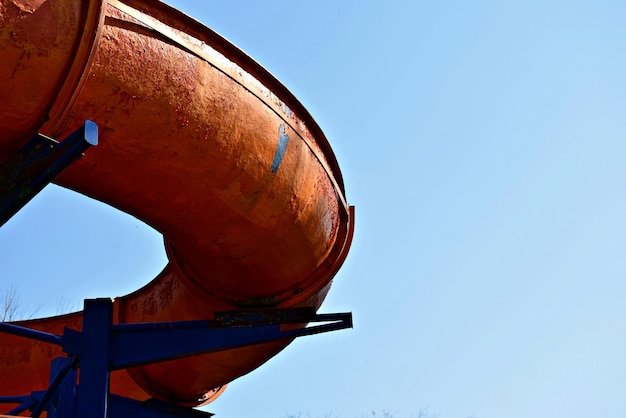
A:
<point x="198" y="141"/>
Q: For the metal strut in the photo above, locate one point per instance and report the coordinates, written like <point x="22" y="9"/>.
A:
<point x="102" y="347"/>
<point x="33" y="166"/>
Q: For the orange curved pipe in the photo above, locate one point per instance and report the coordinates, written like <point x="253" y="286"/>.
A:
<point x="198" y="141"/>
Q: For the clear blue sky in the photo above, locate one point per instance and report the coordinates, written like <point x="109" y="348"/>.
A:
<point x="484" y="146"/>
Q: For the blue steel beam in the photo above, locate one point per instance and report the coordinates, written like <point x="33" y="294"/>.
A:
<point x="33" y="334"/>
<point x="31" y="168"/>
<point x="63" y="402"/>
<point x="61" y="368"/>
<point x="63" y="405"/>
<point x="152" y="408"/>
<point x="25" y="402"/>
<point x="139" y="344"/>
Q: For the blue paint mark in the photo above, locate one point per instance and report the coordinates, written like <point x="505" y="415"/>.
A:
<point x="283" y="139"/>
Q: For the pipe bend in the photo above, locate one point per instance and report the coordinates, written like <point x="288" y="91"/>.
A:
<point x="200" y="142"/>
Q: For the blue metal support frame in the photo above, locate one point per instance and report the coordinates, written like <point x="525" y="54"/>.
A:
<point x="32" y="167"/>
<point x="102" y="347"/>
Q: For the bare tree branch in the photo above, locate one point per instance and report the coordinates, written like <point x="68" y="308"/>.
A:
<point x="10" y="305"/>
<point x="11" y="308"/>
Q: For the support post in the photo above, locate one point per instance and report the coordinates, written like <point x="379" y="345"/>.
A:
<point x="93" y="389"/>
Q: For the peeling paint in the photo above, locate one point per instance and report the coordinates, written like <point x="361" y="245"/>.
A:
<point x="283" y="139"/>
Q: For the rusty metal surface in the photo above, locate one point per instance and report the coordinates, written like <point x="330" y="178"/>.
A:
<point x="199" y="142"/>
